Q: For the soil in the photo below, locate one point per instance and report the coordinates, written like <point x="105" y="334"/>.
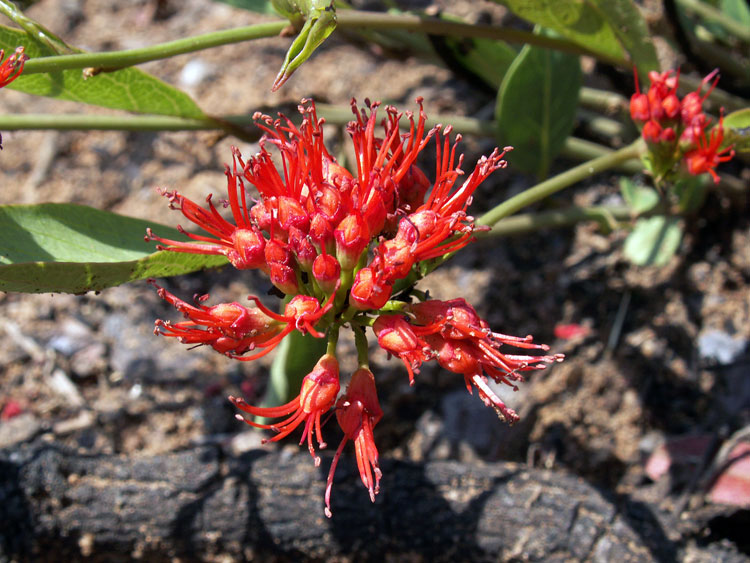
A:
<point x="663" y="354"/>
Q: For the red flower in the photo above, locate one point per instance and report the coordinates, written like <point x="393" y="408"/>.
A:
<point x="352" y="237"/>
<point x="357" y="412"/>
<point x="369" y="291"/>
<point x="229" y="328"/>
<point x="707" y="156"/>
<point x="11" y="67"/>
<point x="318" y="393"/>
<point x="242" y="243"/>
<point x="400" y="338"/>
<point x="639" y="105"/>
<point x="692" y="103"/>
<point x="453" y="333"/>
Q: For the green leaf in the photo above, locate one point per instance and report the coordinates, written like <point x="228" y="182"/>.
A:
<point x="737" y="130"/>
<point x="60" y="247"/>
<point x="631" y="31"/>
<point x="536" y="106"/>
<point x="639" y="198"/>
<point x="257" y="6"/>
<point x="738" y="10"/>
<point x="653" y="241"/>
<point x="127" y="89"/>
<point x="608" y="27"/>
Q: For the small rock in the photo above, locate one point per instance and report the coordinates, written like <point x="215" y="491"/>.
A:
<point x="72" y="336"/>
<point x="194" y="73"/>
<point x="18" y="429"/>
<point x="85" y="419"/>
<point x="720" y="346"/>
<point x="89" y="360"/>
<point x="246" y="441"/>
<point x="61" y="384"/>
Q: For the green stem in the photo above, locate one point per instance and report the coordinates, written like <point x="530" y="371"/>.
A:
<point x="530" y="222"/>
<point x="605" y="126"/>
<point x="433" y="26"/>
<point x="360" y="340"/>
<point x="86" y="122"/>
<point x="581" y="149"/>
<point x="129" y="57"/>
<point x="602" y="100"/>
<point x="333" y="340"/>
<point x="577" y="149"/>
<point x="351" y="20"/>
<point x="560" y="182"/>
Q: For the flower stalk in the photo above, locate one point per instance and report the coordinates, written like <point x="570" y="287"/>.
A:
<point x="352" y="20"/>
<point x="561" y="181"/>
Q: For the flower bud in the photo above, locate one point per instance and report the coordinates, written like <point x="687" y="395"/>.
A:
<point x="303" y="248"/>
<point x="249" y="249"/>
<point x="368" y="292"/>
<point x="671" y="106"/>
<point x="291" y="214"/>
<point x="321" y="233"/>
<point x="284" y="278"/>
<point x="277" y="252"/>
<point x="639" y="108"/>
<point x="651" y="131"/>
<point x="352" y="237"/>
<point x="328" y="203"/>
<point x="326" y="271"/>
<point x="262" y="214"/>
<point x="320" y="386"/>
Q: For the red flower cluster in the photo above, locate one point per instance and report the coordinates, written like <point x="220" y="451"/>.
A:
<point x="675" y="129"/>
<point x="452" y="332"/>
<point x="336" y="244"/>
<point x="10" y="69"/>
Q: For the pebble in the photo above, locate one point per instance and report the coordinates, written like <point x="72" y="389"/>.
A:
<point x="720" y="346"/>
<point x="194" y="73"/>
<point x="72" y="337"/>
<point x="18" y="429"/>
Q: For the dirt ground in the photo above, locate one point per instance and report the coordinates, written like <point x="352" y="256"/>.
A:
<point x="656" y="385"/>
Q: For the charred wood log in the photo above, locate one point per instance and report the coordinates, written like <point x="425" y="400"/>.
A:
<point x="198" y="504"/>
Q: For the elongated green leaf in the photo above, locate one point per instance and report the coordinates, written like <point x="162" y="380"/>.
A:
<point x="609" y="27"/>
<point x="59" y="247"/>
<point x="653" y="241"/>
<point x="737" y="130"/>
<point x="631" y="31"/>
<point x="738" y="10"/>
<point x="127" y="89"/>
<point x="536" y="106"/>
